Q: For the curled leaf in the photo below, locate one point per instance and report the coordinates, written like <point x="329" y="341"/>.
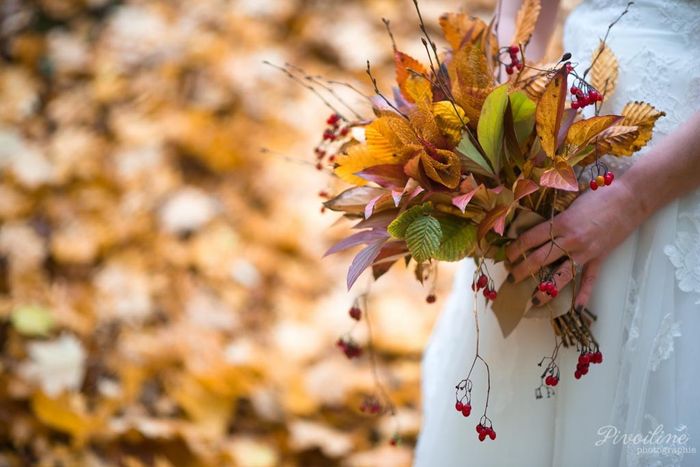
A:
<point x="406" y="67"/>
<point x="644" y="116"/>
<point x="583" y="131"/>
<point x="618" y="140"/>
<point x="442" y="166"/>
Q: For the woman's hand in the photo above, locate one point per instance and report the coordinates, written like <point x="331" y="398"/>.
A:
<point x="590" y="228"/>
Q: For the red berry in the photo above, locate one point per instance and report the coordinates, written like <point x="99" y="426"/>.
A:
<point x="594" y="95"/>
<point x="479" y="428"/>
<point x="393" y="441"/>
<point x="593" y="185"/>
<point x="584" y="359"/>
<point x="482" y="282"/>
<point x="493" y="294"/>
<point x="580" y="367"/>
<point x="492" y="434"/>
<point x="542" y="287"/>
<point x="482" y="436"/>
<point x="355" y="313"/>
<point x="584" y="370"/>
<point x="509" y="69"/>
<point x="553" y="293"/>
<point x="575" y="105"/>
<point x="577" y="374"/>
<point x="333" y="119"/>
<point x="513" y="49"/>
<point x="569" y="67"/>
<point x="466" y="410"/>
<point x="608" y="178"/>
<point x="555" y="380"/>
<point x="548" y="380"/>
<point x="459" y="406"/>
<point x="431" y="298"/>
<point x="574" y="90"/>
<point x="344" y="131"/>
<point x="598" y="357"/>
<point x="600" y="180"/>
<point x="519" y="65"/>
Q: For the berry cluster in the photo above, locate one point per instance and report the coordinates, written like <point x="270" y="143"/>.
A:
<point x="371" y="405"/>
<point x="586" y="97"/>
<point x="465" y="408"/>
<point x="515" y="63"/>
<point x="584" y="361"/>
<point x="602" y="180"/>
<point x="483" y="282"/>
<point x="549" y="287"/>
<point x="485" y="430"/>
<point x="334" y="131"/>
<point x="349" y="347"/>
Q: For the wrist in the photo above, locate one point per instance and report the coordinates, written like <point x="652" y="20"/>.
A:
<point x="636" y="204"/>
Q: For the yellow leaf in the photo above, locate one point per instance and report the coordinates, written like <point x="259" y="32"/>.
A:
<point x="581" y="132"/>
<point x="417" y="88"/>
<point x="549" y="112"/>
<point x="450" y="119"/>
<point x="604" y="70"/>
<point x="525" y="21"/>
<point x="644" y="116"/>
<point x="65" y="413"/>
<point x="533" y="81"/>
<point x="406" y="66"/>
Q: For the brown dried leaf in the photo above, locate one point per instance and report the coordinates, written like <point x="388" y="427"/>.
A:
<point x="525" y="21"/>
<point x="581" y="132"/>
<point x="644" y="116"/>
<point x="604" y="71"/>
<point x="617" y="140"/>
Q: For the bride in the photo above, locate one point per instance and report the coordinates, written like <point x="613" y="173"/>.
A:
<point x="639" y="245"/>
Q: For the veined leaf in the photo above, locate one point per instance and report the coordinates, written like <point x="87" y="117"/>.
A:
<point x="644" y="116"/>
<point x="450" y="122"/>
<point x="495" y="219"/>
<point x="418" y="89"/>
<point x="398" y="227"/>
<point x="490" y="126"/>
<point x="458" y="239"/>
<point x="461" y="201"/>
<point x="526" y="20"/>
<point x="549" y="112"/>
<point x="353" y="200"/>
<point x="459" y="28"/>
<point x="604" y="71"/>
<point x="583" y="131"/>
<point x="523" y="187"/>
<point x="423" y="237"/>
<point x="618" y="140"/>
<point x="560" y="176"/>
<point x="363" y="260"/>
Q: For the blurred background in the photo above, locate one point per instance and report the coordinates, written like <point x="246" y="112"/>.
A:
<point x="163" y="297"/>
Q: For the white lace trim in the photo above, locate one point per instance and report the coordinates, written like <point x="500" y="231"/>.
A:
<point x="684" y="254"/>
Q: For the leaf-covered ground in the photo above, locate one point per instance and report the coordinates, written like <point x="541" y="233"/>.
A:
<point x="163" y="300"/>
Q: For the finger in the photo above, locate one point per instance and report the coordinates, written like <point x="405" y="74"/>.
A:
<point x="588" y="280"/>
<point x="534" y="237"/>
<point x="544" y="255"/>
<point x="561" y="277"/>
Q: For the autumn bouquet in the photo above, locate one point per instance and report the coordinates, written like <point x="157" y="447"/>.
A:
<point x="474" y="147"/>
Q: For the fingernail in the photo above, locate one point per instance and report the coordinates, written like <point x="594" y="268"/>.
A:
<point x="510" y="278"/>
<point x="535" y="301"/>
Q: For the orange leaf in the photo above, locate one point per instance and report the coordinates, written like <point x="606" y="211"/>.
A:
<point x="549" y="112"/>
<point x="525" y="21"/>
<point x="581" y="132"/>
<point x="618" y="140"/>
<point x="460" y="27"/>
<point x="443" y="167"/>
<point x="560" y="176"/>
<point x="407" y="66"/>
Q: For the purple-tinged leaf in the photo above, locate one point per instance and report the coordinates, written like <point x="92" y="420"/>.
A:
<point x="385" y="175"/>
<point x="566" y="121"/>
<point x="396" y="196"/>
<point x="388" y="256"/>
<point x="363" y="260"/>
<point x="380" y="220"/>
<point x="370" y="206"/>
<point x="358" y="238"/>
<point x="353" y="200"/>
<point x="461" y="201"/>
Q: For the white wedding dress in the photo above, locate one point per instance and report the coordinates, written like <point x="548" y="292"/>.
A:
<point x="647" y="300"/>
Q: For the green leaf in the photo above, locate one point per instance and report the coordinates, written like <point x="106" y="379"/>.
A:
<point x="474" y="162"/>
<point x="32" y="320"/>
<point x="490" y="127"/>
<point x="423" y="238"/>
<point x="523" y="111"/>
<point x="458" y="239"/>
<point x="398" y="226"/>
